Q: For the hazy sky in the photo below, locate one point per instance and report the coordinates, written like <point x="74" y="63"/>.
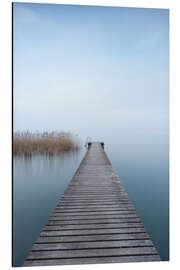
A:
<point x="93" y="71"/>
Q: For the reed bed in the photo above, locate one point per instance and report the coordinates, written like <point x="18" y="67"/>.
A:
<point x="28" y="143"/>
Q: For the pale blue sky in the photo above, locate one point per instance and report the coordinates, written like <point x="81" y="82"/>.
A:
<point x="93" y="71"/>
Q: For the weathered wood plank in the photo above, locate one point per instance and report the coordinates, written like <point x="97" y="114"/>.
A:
<point x="93" y="217"/>
<point x="96" y="221"/>
<point x="95" y="204"/>
<point x="123" y="203"/>
<point x="92" y="226"/>
<point x="116" y="189"/>
<point x="99" y="207"/>
<point x="95" y="199"/>
<point x="90" y="245"/>
<point x="91" y="209"/>
<point x="95" y="260"/>
<point x="99" y="186"/>
<point x="94" y="213"/>
<point x="93" y="232"/>
<point x="78" y="189"/>
<point x="87" y="238"/>
<point x="92" y="253"/>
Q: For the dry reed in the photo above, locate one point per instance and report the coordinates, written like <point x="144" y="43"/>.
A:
<point x="27" y="143"/>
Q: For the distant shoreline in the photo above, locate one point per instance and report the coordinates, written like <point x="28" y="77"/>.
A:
<point x="28" y="143"/>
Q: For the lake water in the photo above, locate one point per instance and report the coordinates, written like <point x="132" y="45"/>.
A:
<point x="40" y="181"/>
<point x="142" y="163"/>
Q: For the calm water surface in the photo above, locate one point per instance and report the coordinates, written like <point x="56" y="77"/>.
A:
<point x="40" y="181"/>
<point x="143" y="166"/>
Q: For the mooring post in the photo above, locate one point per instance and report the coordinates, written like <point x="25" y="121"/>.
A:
<point x="102" y="144"/>
<point x="89" y="145"/>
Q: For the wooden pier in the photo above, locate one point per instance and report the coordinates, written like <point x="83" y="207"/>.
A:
<point x="94" y="221"/>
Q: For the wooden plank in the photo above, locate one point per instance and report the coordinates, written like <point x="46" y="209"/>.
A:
<point x="92" y="197"/>
<point x="100" y="207"/>
<point x="90" y="213"/>
<point x="95" y="260"/>
<point x="95" y="194"/>
<point x="90" y="245"/>
<point x="92" y="232"/>
<point x="92" y="253"/>
<point x="91" y="209"/>
<point x="91" y="202"/>
<point x="94" y="204"/>
<point x="96" y="221"/>
<point x="88" y="238"/>
<point x="92" y="226"/>
<point x="98" y="189"/>
<point x="77" y="200"/>
<point x="93" y="217"/>
<point x="99" y="186"/>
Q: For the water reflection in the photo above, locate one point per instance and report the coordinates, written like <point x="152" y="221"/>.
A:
<point x="38" y="183"/>
<point x="34" y="164"/>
